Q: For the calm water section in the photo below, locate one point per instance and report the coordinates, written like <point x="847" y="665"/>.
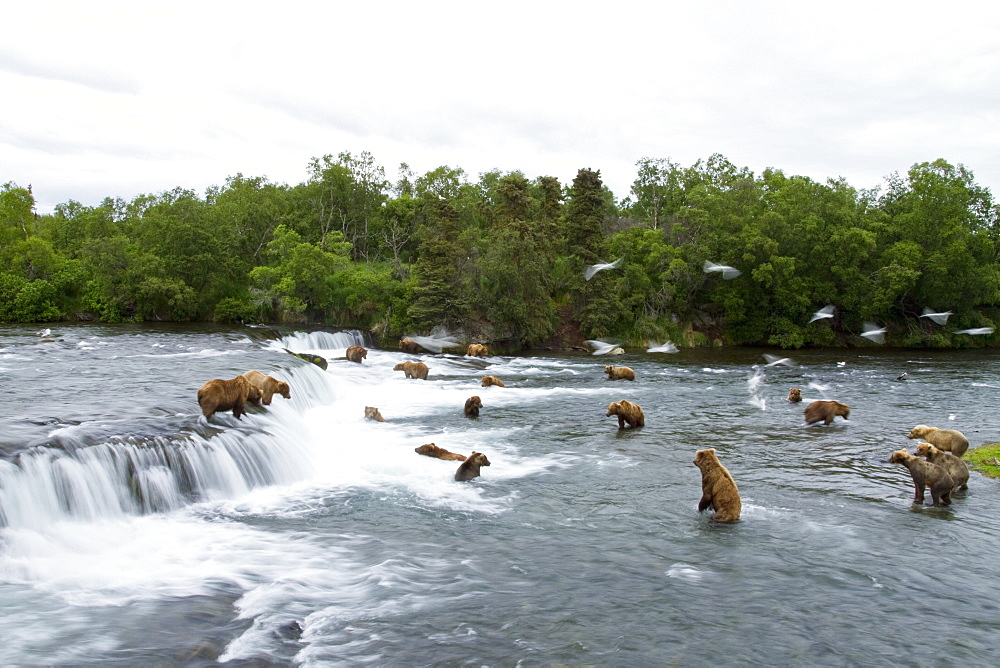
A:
<point x="134" y="531"/>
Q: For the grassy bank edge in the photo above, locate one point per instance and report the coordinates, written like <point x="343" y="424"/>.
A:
<point x="985" y="459"/>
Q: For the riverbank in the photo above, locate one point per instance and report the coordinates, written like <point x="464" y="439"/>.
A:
<point x="985" y="459"/>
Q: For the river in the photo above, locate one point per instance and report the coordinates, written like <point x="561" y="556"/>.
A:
<point x="133" y="531"/>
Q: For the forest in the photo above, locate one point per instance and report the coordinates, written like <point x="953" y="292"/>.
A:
<point x="501" y="259"/>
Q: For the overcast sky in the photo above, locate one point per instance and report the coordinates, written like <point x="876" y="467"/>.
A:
<point x="116" y="99"/>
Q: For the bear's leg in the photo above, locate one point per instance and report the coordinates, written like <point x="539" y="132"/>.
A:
<point x="706" y="502"/>
<point x="621" y="422"/>
<point x="239" y="409"/>
<point x="918" y="495"/>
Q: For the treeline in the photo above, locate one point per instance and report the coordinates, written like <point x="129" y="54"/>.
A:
<point x="503" y="258"/>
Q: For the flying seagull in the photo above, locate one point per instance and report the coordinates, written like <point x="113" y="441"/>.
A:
<point x="976" y="330"/>
<point x="668" y="347"/>
<point x="774" y="360"/>
<point x="873" y="332"/>
<point x="939" y="318"/>
<point x="602" y="348"/>
<point x="728" y="273"/>
<point x="591" y="269"/>
<point x="825" y="312"/>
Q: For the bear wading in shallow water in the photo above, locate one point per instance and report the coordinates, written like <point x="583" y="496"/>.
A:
<point x="627" y="412"/>
<point x="955" y="467"/>
<point x="492" y="380"/>
<point x="718" y="489"/>
<point x="267" y="386"/>
<point x="469" y="469"/>
<point x="356" y="354"/>
<point x="472" y="406"/>
<point x="950" y="440"/>
<point x="619" y="372"/>
<point x="825" y="411"/>
<point x="412" y="369"/>
<point x="431" y="450"/>
<point x="220" y="395"/>
<point x="372" y="413"/>
<point x="925" y="474"/>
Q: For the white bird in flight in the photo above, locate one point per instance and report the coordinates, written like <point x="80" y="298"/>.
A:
<point x="825" y="312"/>
<point x="939" y="318"/>
<point x="602" y="348"/>
<point x="668" y="347"/>
<point x="873" y="332"/>
<point x="976" y="330"/>
<point x="591" y="269"/>
<point x="728" y="273"/>
<point x="774" y="360"/>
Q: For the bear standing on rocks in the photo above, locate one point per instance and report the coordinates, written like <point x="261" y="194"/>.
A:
<point x="825" y="411"/>
<point x="267" y="386"/>
<point x="472" y="406"/>
<point x="412" y="369"/>
<point x="477" y="350"/>
<point x="409" y="346"/>
<point x="356" y="354"/>
<point x="925" y="474"/>
<point x="627" y="412"/>
<point x="619" y="372"/>
<point x="950" y="440"/>
<point x="955" y="467"/>
<point x="372" y="413"/>
<point x="222" y="395"/>
<point x="431" y="450"/>
<point x="469" y="469"/>
<point x="718" y="489"/>
<point x="492" y="380"/>
<point x="795" y="395"/>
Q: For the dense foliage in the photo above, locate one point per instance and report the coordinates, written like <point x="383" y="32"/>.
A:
<point x="503" y="258"/>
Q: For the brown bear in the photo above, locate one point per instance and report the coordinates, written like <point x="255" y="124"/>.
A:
<point x="267" y="386"/>
<point x="951" y="440"/>
<point x="718" y="489"/>
<point x="477" y="350"/>
<point x="472" y="406"/>
<point x="619" y="373"/>
<point x="795" y="395"/>
<point x="356" y="354"/>
<point x="431" y="450"/>
<point x="627" y="412"/>
<point x="409" y="346"/>
<point x="955" y="467"/>
<point x="412" y="369"/>
<point x="492" y="380"/>
<point x="825" y="411"/>
<point x="925" y="474"/>
<point x="372" y="413"/>
<point x="469" y="469"/>
<point x="222" y="395"/>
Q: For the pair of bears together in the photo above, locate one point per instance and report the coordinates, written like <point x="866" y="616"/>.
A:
<point x="252" y="387"/>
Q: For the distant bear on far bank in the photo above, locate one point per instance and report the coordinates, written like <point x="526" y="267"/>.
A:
<point x="477" y="350"/>
<point x="718" y="489"/>
<point x="268" y="386"/>
<point x="619" y="372"/>
<point x="412" y="369"/>
<point x="795" y="395"/>
<point x="627" y="412"/>
<point x="469" y="469"/>
<point x="825" y="411"/>
<point x="356" y="354"/>
<point x="220" y="395"/>
<point x="492" y="380"/>
<point x="950" y="440"/>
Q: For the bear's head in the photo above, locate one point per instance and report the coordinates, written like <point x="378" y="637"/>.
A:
<point x="608" y="368"/>
<point x="925" y="449"/>
<point x="842" y="410"/>
<point x="703" y="458"/>
<point x="283" y="389"/>
<point x="399" y="367"/>
<point x="899" y="457"/>
<point x="920" y="431"/>
<point x="795" y="394"/>
<point x="478" y="459"/>
<point x="613" y="408"/>
<point x="371" y="412"/>
<point x="474" y="400"/>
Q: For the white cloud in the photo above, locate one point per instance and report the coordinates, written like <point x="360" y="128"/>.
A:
<point x="115" y="99"/>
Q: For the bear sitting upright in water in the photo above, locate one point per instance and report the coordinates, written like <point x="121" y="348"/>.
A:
<point x="472" y="406"/>
<point x="222" y="395"/>
<point x="627" y="412"/>
<point x="718" y="489"/>
<point x="795" y="395"/>
<point x="356" y="354"/>
<point x="469" y="469"/>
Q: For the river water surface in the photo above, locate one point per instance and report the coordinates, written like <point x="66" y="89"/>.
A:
<point x="133" y="531"/>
